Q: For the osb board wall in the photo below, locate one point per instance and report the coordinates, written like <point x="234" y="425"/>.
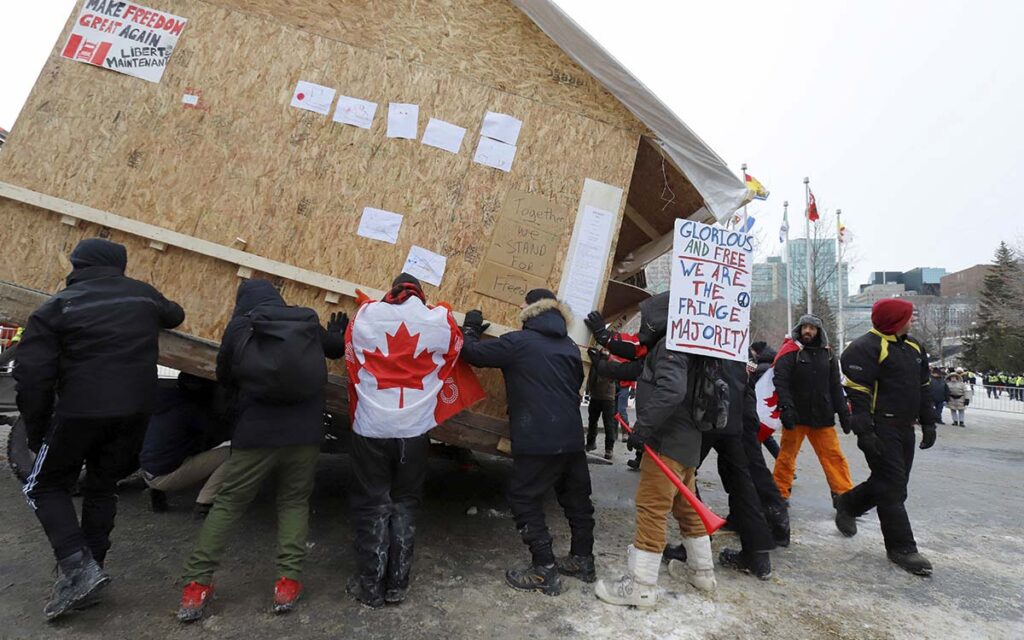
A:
<point x="291" y="183"/>
<point x="489" y="42"/>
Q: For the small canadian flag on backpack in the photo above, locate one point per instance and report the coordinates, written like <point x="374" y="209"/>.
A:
<point x="768" y="411"/>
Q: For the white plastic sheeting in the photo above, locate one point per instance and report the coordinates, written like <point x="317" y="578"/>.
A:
<point x="722" y="191"/>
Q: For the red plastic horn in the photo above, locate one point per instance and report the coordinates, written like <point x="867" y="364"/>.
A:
<point x="712" y="522"/>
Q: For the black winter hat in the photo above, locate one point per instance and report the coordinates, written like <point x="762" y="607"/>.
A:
<point x="405" y="278"/>
<point x="97" y="252"/>
<point x="536" y="295"/>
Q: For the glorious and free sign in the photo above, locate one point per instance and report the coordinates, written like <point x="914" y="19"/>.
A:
<point x="709" y="299"/>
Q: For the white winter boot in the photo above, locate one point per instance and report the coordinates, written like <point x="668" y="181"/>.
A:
<point x="699" y="569"/>
<point x="639" y="587"/>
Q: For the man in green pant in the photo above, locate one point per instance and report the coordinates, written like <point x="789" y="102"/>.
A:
<point x="274" y="355"/>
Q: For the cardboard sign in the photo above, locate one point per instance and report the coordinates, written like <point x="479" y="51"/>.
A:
<point x="709" y="299"/>
<point x="124" y="37"/>
<point x="523" y="247"/>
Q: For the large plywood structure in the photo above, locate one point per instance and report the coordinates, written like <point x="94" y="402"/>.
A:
<point x="248" y="172"/>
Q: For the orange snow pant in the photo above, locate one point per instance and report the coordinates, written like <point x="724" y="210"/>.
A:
<point x="830" y="455"/>
<point x="656" y="498"/>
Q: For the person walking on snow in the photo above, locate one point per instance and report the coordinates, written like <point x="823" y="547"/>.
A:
<point x="86" y="385"/>
<point x="959" y="397"/>
<point x="939" y="391"/>
<point x="543" y="374"/>
<point x="887" y="382"/>
<point x="810" y="394"/>
<point x="272" y="355"/>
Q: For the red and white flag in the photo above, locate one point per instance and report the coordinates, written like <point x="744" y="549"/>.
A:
<point x="812" y="207"/>
<point x="768" y="411"/>
<point x="404" y="372"/>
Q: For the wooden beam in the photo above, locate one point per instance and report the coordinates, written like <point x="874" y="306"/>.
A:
<point x="637" y="219"/>
<point x="247" y="262"/>
<point x="199" y="357"/>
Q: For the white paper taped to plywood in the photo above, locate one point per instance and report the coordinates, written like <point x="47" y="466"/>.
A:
<point x="313" y="97"/>
<point x="190" y="99"/>
<point x="403" y="120"/>
<point x="587" y="264"/>
<point x="378" y="224"/>
<point x="356" y="112"/>
<point x="443" y="135"/>
<point x="495" y="154"/>
<point x="501" y="127"/>
<point x="425" y="265"/>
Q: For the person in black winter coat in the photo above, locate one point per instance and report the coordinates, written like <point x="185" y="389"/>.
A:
<point x="543" y="373"/>
<point x="270" y="438"/>
<point x="939" y="391"/>
<point x="86" y="384"/>
<point x="810" y="392"/>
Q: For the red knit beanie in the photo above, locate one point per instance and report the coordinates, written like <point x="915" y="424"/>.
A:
<point x="891" y="314"/>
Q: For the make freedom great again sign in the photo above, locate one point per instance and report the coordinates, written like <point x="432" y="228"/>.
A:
<point x="124" y="37"/>
<point x="709" y="297"/>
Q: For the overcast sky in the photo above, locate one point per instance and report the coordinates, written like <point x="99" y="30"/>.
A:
<point x="906" y="115"/>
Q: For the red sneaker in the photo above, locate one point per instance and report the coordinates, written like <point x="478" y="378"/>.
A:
<point x="193" y="601"/>
<point x="286" y="593"/>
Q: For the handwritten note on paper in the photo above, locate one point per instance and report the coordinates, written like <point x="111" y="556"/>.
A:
<point x="378" y="224"/>
<point x="425" y="265"/>
<point x="501" y="127"/>
<point x="498" y="281"/>
<point x="313" y="97"/>
<point x="443" y="135"/>
<point x="403" y="120"/>
<point x="587" y="265"/>
<point x="495" y="154"/>
<point x="356" y="112"/>
<point x="709" y="291"/>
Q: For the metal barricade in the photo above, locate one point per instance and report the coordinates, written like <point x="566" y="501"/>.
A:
<point x="1006" y="398"/>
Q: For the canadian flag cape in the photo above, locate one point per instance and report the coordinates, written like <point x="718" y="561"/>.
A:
<point x="404" y="372"/>
<point x="767" y="398"/>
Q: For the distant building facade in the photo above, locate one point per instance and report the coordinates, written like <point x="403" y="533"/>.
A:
<point x="824" y="256"/>
<point x="768" y="280"/>
<point x="966" y="283"/>
<point x="924" y="280"/>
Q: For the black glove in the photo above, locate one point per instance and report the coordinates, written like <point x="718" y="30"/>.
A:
<point x="927" y="436"/>
<point x="35" y="436"/>
<point x="844" y="423"/>
<point x="788" y="417"/>
<point x="967" y="401"/>
<point x="637" y="439"/>
<point x="595" y="322"/>
<point x="596" y="356"/>
<point x="869" y="443"/>
<point x="338" y="322"/>
<point x="861" y="423"/>
<point x="474" y="323"/>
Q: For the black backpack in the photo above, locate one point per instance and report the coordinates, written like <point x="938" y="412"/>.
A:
<point x="710" y="395"/>
<point x="281" y="359"/>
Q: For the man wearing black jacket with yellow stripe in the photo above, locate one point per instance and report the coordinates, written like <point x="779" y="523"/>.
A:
<point x="887" y="385"/>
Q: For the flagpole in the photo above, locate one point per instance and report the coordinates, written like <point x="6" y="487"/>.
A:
<point x="789" y="268"/>
<point x="743" y="168"/>
<point x="809" y="292"/>
<point x="839" y="273"/>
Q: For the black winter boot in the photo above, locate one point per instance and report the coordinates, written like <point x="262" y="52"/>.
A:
<point x="580" y="567"/>
<point x="80" y="578"/>
<point x="778" y="520"/>
<point x="845" y="521"/>
<point x="372" y="543"/>
<point x="535" y="578"/>
<point x="157" y="501"/>
<point x="403" y="533"/>
<point x="911" y="561"/>
<point x="758" y="563"/>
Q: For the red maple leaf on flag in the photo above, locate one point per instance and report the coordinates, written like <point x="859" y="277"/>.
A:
<point x="773" y="402"/>
<point x="401" y="368"/>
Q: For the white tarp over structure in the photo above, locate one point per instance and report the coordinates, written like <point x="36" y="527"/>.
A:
<point x="722" y="191"/>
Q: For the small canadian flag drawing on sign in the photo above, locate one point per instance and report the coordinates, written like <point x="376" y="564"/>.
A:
<point x="78" y="48"/>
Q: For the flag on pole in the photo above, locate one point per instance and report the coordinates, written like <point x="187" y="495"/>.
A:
<point x="747" y="225"/>
<point x="784" y="229"/>
<point x="768" y="410"/>
<point x="845" y="235"/>
<point x="760" y="193"/>
<point x="812" y="207"/>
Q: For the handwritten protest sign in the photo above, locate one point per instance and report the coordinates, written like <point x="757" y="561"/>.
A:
<point x="124" y="37"/>
<point x="709" y="303"/>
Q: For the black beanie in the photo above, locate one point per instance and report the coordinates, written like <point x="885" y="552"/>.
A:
<point x="405" y="278"/>
<point x="536" y="295"/>
<point x="97" y="252"/>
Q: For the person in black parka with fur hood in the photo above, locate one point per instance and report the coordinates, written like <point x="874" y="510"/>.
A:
<point x="543" y="373"/>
